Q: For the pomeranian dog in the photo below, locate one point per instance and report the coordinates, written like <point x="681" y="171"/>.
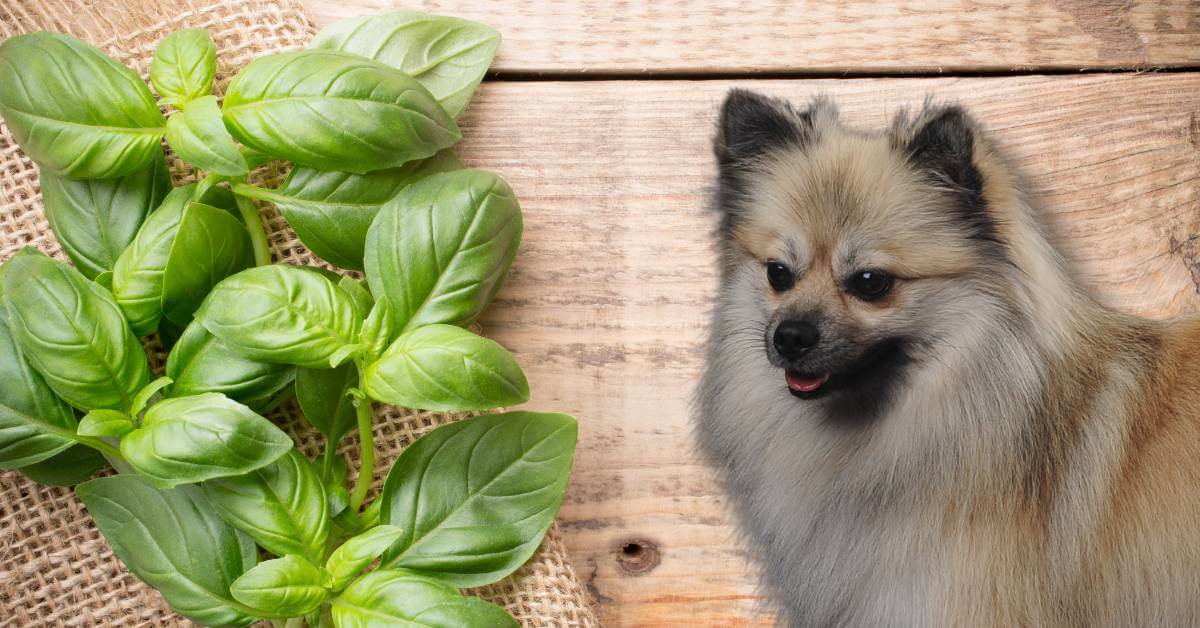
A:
<point x="919" y="419"/>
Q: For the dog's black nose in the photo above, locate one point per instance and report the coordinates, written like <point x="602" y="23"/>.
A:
<point x="793" y="338"/>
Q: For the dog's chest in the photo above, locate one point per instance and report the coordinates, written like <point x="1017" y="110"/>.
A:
<point x="835" y="556"/>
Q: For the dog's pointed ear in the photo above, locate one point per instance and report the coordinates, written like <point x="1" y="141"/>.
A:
<point x="943" y="143"/>
<point x="751" y="124"/>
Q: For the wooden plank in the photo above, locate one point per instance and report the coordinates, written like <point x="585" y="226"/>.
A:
<point x="893" y="36"/>
<point x="608" y="300"/>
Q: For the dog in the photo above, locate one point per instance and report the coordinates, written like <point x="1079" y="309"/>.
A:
<point x="919" y="419"/>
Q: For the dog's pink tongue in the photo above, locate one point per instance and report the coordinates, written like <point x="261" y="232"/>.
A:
<point x="805" y="383"/>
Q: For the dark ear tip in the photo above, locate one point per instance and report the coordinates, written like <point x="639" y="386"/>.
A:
<point x="740" y="101"/>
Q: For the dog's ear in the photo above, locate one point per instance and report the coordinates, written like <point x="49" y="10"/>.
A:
<point x="752" y="124"/>
<point x="943" y="144"/>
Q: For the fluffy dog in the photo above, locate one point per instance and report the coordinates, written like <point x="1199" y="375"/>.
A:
<point x="919" y="419"/>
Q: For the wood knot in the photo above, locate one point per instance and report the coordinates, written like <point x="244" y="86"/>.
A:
<point x="638" y="556"/>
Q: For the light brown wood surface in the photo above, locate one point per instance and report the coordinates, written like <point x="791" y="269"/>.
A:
<point x="819" y="36"/>
<point x="607" y="303"/>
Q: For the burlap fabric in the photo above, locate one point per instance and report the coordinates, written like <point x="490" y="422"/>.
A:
<point x="55" y="567"/>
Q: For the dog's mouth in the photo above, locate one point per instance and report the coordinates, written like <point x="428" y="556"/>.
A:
<point x="877" y="365"/>
<point x="806" y="385"/>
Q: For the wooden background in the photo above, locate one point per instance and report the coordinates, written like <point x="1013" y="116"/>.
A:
<point x="600" y="114"/>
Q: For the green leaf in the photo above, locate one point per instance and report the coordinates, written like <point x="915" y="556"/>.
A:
<point x="184" y="66"/>
<point x="105" y="423"/>
<point x="34" y="423"/>
<point x="476" y="497"/>
<point x="281" y="314"/>
<point x="363" y="301"/>
<point x="358" y="552"/>
<point x="209" y="246"/>
<point x="67" y="468"/>
<point x="192" y="439"/>
<point x="72" y="331"/>
<point x="144" y="395"/>
<point x="282" y="506"/>
<point x="377" y="329"/>
<point x="94" y="220"/>
<point x="201" y="363"/>
<point x="198" y="136"/>
<point x="324" y="402"/>
<point x="392" y="597"/>
<point x="448" y="55"/>
<point x="441" y="248"/>
<point x="335" y="111"/>
<point x="138" y="275"/>
<point x="104" y="280"/>
<point x="446" y="368"/>
<point x="283" y="587"/>
<point x="173" y="541"/>
<point x="331" y="211"/>
<point x="76" y="111"/>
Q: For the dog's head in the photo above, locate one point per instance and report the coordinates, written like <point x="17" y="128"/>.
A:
<point x="852" y="253"/>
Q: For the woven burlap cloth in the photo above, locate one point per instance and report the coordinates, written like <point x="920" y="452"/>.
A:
<point x="55" y="567"/>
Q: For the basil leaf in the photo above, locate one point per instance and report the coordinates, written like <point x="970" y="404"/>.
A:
<point x="209" y="246"/>
<point x="283" y="587"/>
<point x="184" y="66"/>
<point x="331" y="211"/>
<point x="192" y="439"/>
<point x="67" y="468"/>
<point x="138" y="274"/>
<point x="143" y="397"/>
<point x="94" y="220"/>
<point x="324" y="402"/>
<point x="392" y="597"/>
<point x="73" y="333"/>
<point x="105" y="423"/>
<point x="199" y="137"/>
<point x="441" y="248"/>
<point x="282" y="506"/>
<point x="110" y="128"/>
<point x="363" y="301"/>
<point x="201" y="363"/>
<point x="476" y="497"/>
<point x="35" y="425"/>
<point x="173" y="541"/>
<point x="358" y="552"/>
<point x="377" y="329"/>
<point x="448" y="55"/>
<point x="281" y="314"/>
<point x="446" y="368"/>
<point x="335" y="111"/>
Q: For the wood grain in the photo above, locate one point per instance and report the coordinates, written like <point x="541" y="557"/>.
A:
<point x="632" y="37"/>
<point x="607" y="303"/>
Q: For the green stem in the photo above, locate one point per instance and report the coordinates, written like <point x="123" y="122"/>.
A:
<point x="366" y="445"/>
<point x="254" y="226"/>
<point x="204" y="185"/>
<point x="100" y="446"/>
<point x="295" y="622"/>
<point x="327" y="460"/>
<point x="242" y="188"/>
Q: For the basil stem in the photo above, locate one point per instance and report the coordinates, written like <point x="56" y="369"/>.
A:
<point x="254" y="226"/>
<point x="366" y="445"/>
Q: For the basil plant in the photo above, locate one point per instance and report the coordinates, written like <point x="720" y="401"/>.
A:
<point x="211" y="503"/>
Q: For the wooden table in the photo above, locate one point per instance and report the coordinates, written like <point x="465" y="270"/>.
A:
<point x="600" y="114"/>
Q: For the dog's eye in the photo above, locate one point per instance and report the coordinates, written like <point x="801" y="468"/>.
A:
<point x="780" y="276"/>
<point x="869" y="285"/>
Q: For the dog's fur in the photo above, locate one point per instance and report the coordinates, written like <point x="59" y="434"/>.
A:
<point x="1000" y="450"/>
